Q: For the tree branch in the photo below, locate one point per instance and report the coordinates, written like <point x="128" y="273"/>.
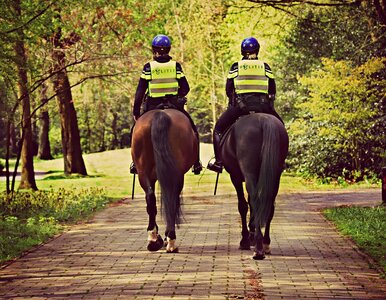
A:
<point x="381" y="11"/>
<point x="29" y="21"/>
<point x="289" y="3"/>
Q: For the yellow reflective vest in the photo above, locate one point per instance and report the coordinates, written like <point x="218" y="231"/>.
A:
<point x="251" y="77"/>
<point x="163" y="79"/>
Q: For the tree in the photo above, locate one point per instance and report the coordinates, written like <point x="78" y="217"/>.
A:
<point x="72" y="150"/>
<point x="116" y="39"/>
<point x="27" y="180"/>
<point x="44" y="151"/>
<point x="196" y="41"/>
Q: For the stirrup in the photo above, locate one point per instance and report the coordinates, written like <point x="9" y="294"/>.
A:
<point x="133" y="169"/>
<point x="197" y="168"/>
<point x="216" y="166"/>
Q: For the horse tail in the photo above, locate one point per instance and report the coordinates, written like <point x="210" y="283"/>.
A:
<point x="265" y="188"/>
<point x="168" y="175"/>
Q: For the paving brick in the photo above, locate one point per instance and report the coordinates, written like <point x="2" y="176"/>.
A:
<point x="107" y="257"/>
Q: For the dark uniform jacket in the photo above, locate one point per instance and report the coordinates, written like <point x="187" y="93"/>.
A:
<point x="230" y="85"/>
<point x="142" y="88"/>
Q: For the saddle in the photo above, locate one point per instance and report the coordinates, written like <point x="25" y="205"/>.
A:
<point x="253" y="103"/>
<point x="165" y="103"/>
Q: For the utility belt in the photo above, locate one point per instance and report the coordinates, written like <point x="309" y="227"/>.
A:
<point x="165" y="102"/>
<point x="253" y="102"/>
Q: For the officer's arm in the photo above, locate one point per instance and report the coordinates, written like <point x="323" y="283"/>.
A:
<point x="271" y="86"/>
<point x="230" y="84"/>
<point x="183" y="85"/>
<point x="139" y="96"/>
<point x="271" y="80"/>
<point x="230" y="89"/>
<point x="141" y="90"/>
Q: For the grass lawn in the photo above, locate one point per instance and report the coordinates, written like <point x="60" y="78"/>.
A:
<point x="110" y="170"/>
<point x="366" y="226"/>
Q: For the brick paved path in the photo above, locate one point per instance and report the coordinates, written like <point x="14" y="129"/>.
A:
<point x="107" y="258"/>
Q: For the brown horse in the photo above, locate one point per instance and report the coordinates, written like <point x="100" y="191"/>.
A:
<point x="254" y="151"/>
<point x="164" y="147"/>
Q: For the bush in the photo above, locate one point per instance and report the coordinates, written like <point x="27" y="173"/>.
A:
<point x="62" y="205"/>
<point x="18" y="235"/>
<point x="29" y="218"/>
<point x="342" y="131"/>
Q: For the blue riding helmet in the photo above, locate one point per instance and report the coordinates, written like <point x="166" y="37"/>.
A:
<point x="250" y="45"/>
<point x="161" y="44"/>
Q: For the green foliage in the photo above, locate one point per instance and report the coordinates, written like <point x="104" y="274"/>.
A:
<point x="19" y="235"/>
<point x="340" y="33"/>
<point x="366" y="226"/>
<point x="30" y="218"/>
<point x="117" y="36"/>
<point x="107" y="43"/>
<point x="342" y="132"/>
<point x="62" y="205"/>
<point x="198" y="44"/>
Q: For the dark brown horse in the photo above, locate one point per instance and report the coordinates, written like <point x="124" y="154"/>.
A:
<point x="254" y="151"/>
<point x="164" y="147"/>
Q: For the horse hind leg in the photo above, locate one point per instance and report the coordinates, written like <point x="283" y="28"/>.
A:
<point x="171" y="220"/>
<point x="262" y="246"/>
<point x="154" y="240"/>
<point x="243" y="210"/>
<point x="259" y="253"/>
<point x="267" y="238"/>
<point x="251" y="225"/>
<point x="171" y="243"/>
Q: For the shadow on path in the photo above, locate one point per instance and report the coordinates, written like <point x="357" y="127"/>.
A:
<point x="107" y="258"/>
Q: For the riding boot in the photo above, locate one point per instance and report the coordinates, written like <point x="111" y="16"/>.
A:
<point x="133" y="169"/>
<point x="197" y="167"/>
<point x="217" y="166"/>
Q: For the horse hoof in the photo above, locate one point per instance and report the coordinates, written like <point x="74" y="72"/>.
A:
<point x="267" y="249"/>
<point x="171" y="246"/>
<point x="174" y="250"/>
<point x="155" y="245"/>
<point x="245" y="245"/>
<point x="258" y="256"/>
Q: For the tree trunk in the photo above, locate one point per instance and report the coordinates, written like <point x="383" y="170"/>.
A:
<point x="114" y="128"/>
<point x="44" y="141"/>
<point x="72" y="151"/>
<point x="27" y="168"/>
<point x="12" y="139"/>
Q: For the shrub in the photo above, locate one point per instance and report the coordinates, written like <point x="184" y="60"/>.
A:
<point x="342" y="131"/>
<point x="29" y="218"/>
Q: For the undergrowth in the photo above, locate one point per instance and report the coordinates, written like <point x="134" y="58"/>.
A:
<point x="29" y="218"/>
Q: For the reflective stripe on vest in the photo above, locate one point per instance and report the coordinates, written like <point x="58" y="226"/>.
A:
<point x="163" y="79"/>
<point x="251" y="77"/>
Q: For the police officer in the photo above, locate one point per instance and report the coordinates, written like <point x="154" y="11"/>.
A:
<point x="250" y="87"/>
<point x="163" y="82"/>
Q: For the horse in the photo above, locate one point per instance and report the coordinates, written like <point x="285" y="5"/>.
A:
<point x="253" y="151"/>
<point x="164" y="147"/>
